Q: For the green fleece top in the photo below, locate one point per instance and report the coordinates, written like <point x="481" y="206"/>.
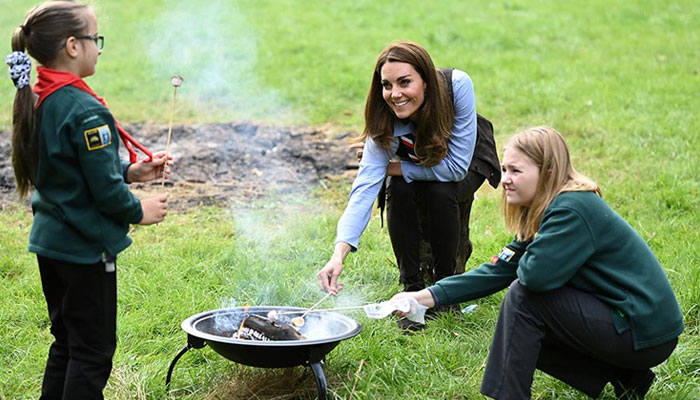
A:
<point x="82" y="207"/>
<point x="582" y="243"/>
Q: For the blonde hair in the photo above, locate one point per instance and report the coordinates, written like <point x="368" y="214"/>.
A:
<point x="546" y="148"/>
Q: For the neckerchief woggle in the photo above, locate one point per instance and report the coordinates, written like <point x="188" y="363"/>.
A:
<point x="50" y="80"/>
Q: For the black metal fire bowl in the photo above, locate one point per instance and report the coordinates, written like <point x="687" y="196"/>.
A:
<point x="323" y="332"/>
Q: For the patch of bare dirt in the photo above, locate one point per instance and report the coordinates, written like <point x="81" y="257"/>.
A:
<point x="224" y="163"/>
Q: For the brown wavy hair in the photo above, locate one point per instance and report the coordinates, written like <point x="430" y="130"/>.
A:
<point x="43" y="34"/>
<point x="435" y="116"/>
<point x="548" y="150"/>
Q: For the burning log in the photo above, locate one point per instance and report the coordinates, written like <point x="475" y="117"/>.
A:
<point x="255" y="327"/>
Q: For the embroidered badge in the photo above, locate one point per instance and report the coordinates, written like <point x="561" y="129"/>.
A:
<point x="506" y="254"/>
<point x="89" y="119"/>
<point x="98" y="138"/>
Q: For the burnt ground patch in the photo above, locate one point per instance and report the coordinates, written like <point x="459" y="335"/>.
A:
<point x="224" y="163"/>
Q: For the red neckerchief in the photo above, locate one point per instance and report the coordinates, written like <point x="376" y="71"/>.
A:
<point x="50" y="80"/>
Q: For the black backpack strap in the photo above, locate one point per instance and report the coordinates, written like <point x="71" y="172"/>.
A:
<point x="447" y="73"/>
<point x="485" y="159"/>
<point x="381" y="202"/>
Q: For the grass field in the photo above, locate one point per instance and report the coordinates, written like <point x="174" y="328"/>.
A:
<point x="620" y="79"/>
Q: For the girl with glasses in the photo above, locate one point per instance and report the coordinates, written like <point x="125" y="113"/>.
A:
<point x="65" y="145"/>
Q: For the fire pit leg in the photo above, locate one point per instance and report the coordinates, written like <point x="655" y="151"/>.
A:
<point x="320" y="380"/>
<point x="193" y="342"/>
<point x="172" y="365"/>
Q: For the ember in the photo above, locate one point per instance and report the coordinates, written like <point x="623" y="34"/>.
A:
<point x="245" y="316"/>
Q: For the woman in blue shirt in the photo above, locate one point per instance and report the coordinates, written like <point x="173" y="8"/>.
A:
<point x="421" y="135"/>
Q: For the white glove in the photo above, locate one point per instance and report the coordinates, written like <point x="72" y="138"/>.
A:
<point x="415" y="312"/>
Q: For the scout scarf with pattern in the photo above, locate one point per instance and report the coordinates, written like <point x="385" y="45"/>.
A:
<point x="50" y="80"/>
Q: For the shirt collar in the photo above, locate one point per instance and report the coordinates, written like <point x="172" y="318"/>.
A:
<point x="402" y="128"/>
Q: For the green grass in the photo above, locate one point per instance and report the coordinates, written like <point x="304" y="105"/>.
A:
<point x="618" y="79"/>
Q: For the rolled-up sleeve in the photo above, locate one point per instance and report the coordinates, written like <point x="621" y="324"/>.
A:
<point x="460" y="147"/>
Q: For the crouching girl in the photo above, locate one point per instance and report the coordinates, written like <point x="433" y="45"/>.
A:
<point x="588" y="302"/>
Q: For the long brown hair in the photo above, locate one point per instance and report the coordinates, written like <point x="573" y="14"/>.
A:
<point x="43" y="34"/>
<point x="548" y="150"/>
<point x="434" y="118"/>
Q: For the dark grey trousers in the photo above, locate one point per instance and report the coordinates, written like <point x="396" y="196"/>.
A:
<point x="565" y="333"/>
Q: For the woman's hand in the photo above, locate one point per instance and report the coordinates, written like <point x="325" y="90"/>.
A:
<point x="360" y="147"/>
<point x="394" y="169"/>
<point x="423" y="297"/>
<point x="328" y="275"/>
<point x="154" y="209"/>
<point x="141" y="171"/>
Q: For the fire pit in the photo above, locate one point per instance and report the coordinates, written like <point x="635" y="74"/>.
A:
<point x="217" y="328"/>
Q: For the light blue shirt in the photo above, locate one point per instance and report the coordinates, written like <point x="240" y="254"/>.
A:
<point x="375" y="159"/>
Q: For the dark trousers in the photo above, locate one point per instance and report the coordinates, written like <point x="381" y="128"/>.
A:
<point x="440" y="201"/>
<point x="465" y="197"/>
<point x="565" y="333"/>
<point x="82" y="303"/>
<point x="430" y="213"/>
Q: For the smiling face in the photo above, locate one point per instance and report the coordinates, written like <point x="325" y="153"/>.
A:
<point x="519" y="177"/>
<point x="403" y="88"/>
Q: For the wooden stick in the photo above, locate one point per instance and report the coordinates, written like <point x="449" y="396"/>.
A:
<point x="322" y="310"/>
<point x="170" y="131"/>
<point x="176" y="81"/>
<point x="317" y="303"/>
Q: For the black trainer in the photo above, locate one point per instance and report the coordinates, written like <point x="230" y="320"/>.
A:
<point x="433" y="313"/>
<point x="408" y="326"/>
<point x="633" y="385"/>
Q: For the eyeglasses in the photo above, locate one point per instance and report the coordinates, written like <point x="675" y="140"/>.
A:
<point x="99" y="40"/>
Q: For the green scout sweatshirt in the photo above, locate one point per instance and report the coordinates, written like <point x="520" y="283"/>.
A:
<point x="82" y="207"/>
<point x="582" y="243"/>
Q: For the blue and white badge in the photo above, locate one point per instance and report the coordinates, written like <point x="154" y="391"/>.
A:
<point x="97" y="138"/>
<point x="506" y="254"/>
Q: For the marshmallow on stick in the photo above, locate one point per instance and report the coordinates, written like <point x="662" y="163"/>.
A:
<point x="176" y="81"/>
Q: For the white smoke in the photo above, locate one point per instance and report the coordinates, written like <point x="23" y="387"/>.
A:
<point x="212" y="45"/>
<point x="214" y="48"/>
